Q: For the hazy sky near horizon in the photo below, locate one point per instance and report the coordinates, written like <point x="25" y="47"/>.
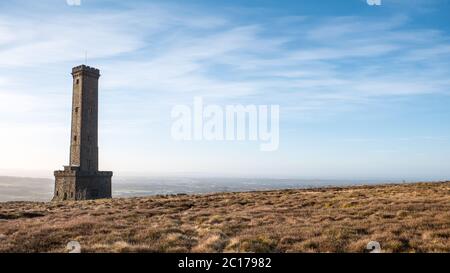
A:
<point x="363" y="90"/>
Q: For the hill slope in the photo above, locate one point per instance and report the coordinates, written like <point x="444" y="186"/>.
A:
<point x="403" y="218"/>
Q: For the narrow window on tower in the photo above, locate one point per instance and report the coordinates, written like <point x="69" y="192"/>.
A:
<point x="76" y="109"/>
<point x="78" y="81"/>
<point x="75" y="138"/>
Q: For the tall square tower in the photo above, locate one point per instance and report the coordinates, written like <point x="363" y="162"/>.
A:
<point x="82" y="180"/>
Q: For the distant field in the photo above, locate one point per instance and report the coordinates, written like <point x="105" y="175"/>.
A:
<point x="402" y="218"/>
<point x="41" y="189"/>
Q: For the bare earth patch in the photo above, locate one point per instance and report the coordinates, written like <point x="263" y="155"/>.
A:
<point x="403" y="218"/>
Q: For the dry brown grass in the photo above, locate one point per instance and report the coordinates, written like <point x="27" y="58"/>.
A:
<point x="403" y="218"/>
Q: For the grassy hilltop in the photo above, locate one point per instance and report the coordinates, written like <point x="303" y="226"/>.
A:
<point x="403" y="218"/>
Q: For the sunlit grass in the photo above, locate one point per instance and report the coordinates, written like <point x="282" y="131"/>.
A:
<point x="403" y="218"/>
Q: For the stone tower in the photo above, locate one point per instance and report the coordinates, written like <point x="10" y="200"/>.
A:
<point x="82" y="180"/>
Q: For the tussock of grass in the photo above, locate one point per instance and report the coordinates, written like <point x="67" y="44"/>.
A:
<point x="403" y="218"/>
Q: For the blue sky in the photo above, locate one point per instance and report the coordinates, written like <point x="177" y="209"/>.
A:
<point x="363" y="90"/>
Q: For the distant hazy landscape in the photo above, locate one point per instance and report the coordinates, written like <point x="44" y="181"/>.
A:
<point x="41" y="189"/>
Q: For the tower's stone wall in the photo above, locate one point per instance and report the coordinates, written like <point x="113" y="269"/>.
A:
<point x="84" y="136"/>
<point x="72" y="184"/>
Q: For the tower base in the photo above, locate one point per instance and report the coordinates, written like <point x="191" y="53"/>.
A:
<point x="73" y="184"/>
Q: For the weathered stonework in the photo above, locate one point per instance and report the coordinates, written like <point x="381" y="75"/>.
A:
<point x="82" y="180"/>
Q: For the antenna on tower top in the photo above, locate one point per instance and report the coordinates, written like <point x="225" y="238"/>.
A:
<point x="85" y="57"/>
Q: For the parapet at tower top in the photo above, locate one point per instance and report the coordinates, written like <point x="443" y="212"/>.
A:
<point x="86" y="69"/>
